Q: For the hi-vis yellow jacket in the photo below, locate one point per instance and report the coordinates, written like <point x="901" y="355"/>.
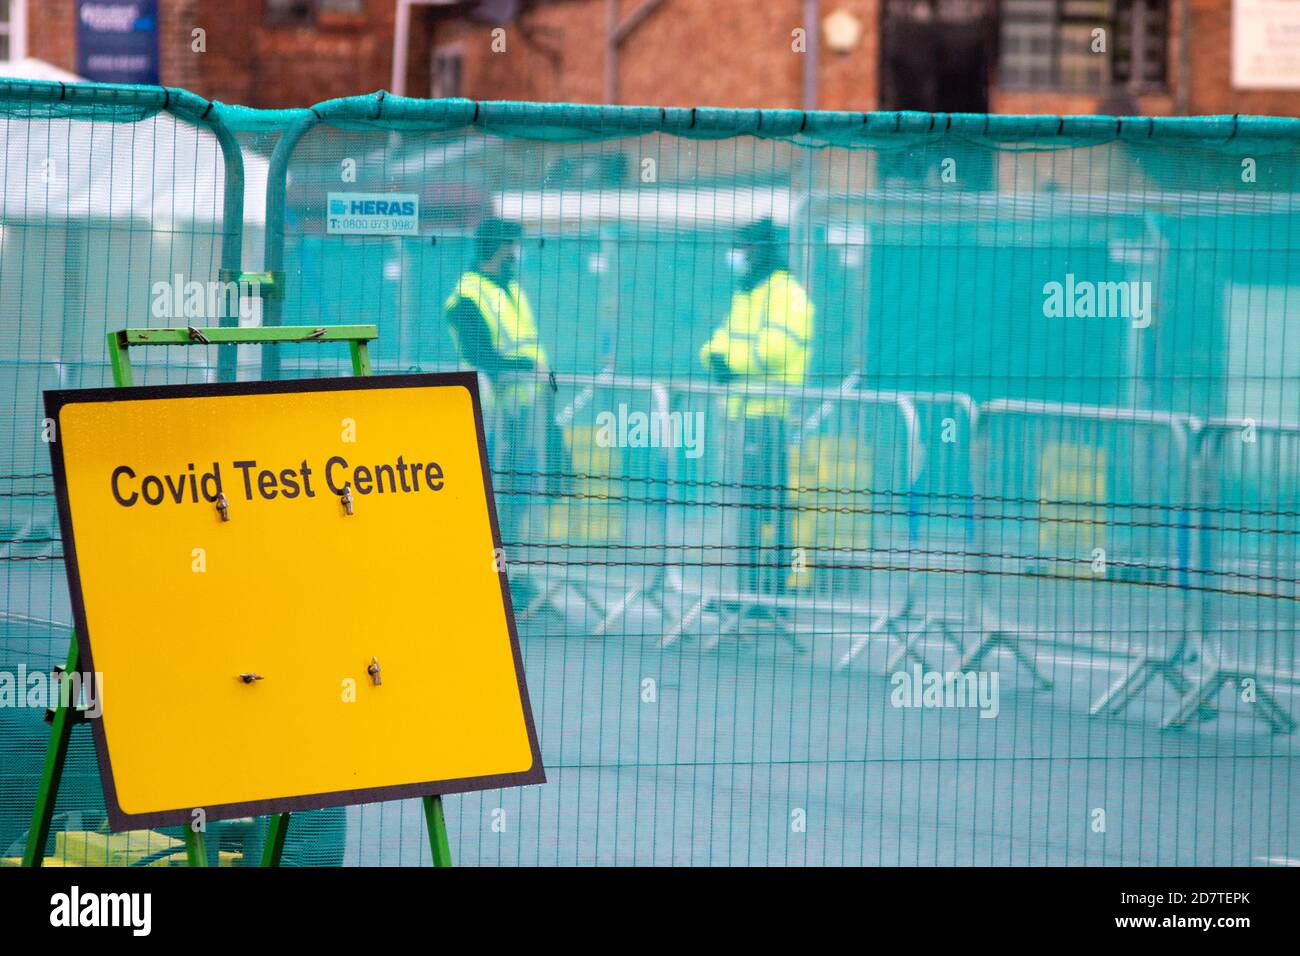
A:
<point x="764" y="340"/>
<point x="511" y="328"/>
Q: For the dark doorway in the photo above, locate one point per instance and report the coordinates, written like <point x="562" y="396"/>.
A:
<point x="937" y="56"/>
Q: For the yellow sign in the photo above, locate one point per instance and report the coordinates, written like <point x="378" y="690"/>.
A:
<point x="294" y="594"/>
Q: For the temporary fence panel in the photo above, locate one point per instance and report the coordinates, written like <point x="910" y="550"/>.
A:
<point x="1083" y="532"/>
<point x="1248" y="562"/>
<point x="119" y="206"/>
<point x="938" y="550"/>
<point x="770" y="637"/>
<point x="787" y="520"/>
<point x="584" y="503"/>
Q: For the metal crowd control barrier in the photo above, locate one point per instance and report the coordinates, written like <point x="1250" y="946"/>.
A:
<point x="1083" y="538"/>
<point x="940" y="528"/>
<point x="1248" y="564"/>
<point x="782" y="520"/>
<point x="623" y="434"/>
<point x="583" y="484"/>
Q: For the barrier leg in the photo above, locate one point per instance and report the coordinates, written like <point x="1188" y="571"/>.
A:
<point x="1273" y="712"/>
<point x="1122" y="692"/>
<point x="903" y="627"/>
<point x="1000" y="638"/>
<point x="943" y="625"/>
<point x="884" y="624"/>
<point x="907" y="650"/>
<point x="616" y="611"/>
<point x="687" y="619"/>
<point x="730" y="617"/>
<point x="856" y="648"/>
<point x="651" y="593"/>
<point x="1136" y="679"/>
<point x="1266" y="707"/>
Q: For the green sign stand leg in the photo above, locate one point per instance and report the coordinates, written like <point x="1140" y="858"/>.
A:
<point x="358" y="338"/>
<point x="437" y="825"/>
<point x="56" y="752"/>
<point x="196" y="847"/>
<point x="274" y="847"/>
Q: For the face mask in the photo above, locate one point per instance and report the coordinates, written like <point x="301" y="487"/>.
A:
<point x="510" y="265"/>
<point x="738" y="261"/>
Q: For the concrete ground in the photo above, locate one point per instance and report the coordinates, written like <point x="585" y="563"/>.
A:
<point x="754" y="753"/>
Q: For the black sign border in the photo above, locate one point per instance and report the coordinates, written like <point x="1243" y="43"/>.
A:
<point x="56" y="400"/>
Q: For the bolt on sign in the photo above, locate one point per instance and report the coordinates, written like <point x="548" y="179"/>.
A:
<point x="291" y="592"/>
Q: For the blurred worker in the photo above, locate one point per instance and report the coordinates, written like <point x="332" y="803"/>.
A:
<point x="763" y="343"/>
<point x="495" y="333"/>
<point x="488" y="314"/>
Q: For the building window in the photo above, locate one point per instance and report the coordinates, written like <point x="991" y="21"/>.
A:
<point x="13" y="30"/>
<point x="1055" y="44"/>
<point x="300" y="13"/>
<point x="447" y="70"/>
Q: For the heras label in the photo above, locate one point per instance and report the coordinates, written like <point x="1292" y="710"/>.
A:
<point x="373" y="214"/>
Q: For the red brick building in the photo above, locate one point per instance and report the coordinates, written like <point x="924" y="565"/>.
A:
<point x="1041" y="56"/>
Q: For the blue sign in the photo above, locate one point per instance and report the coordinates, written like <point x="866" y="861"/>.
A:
<point x="117" y="40"/>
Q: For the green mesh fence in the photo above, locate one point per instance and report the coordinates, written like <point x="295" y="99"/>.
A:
<point x="975" y="543"/>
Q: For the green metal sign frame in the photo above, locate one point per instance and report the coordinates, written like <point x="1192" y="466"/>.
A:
<point x="66" y="716"/>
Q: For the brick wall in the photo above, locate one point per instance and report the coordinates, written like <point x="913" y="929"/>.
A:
<point x="255" y="63"/>
<point x="52" y="32"/>
<point x="1211" y="74"/>
<point x="178" y="63"/>
<point x="851" y="81"/>
<point x="737" y="53"/>
<point x="687" y="52"/>
<point x="52" y="37"/>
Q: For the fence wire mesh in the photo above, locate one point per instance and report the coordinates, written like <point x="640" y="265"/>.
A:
<point x="972" y="540"/>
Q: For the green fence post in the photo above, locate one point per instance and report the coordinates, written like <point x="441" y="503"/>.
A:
<point x="277" y="186"/>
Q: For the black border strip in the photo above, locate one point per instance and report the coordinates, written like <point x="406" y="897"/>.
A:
<point x="56" y="400"/>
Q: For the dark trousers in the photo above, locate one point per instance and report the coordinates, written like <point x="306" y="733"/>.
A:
<point x="527" y="449"/>
<point x="765" y="559"/>
<point x="514" y="455"/>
